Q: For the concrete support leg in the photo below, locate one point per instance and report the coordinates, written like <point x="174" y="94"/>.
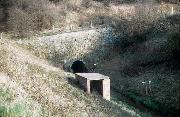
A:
<point x="88" y="88"/>
<point x="84" y="83"/>
<point x="106" y="89"/>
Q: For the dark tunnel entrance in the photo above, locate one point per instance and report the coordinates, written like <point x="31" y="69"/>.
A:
<point x="79" y="67"/>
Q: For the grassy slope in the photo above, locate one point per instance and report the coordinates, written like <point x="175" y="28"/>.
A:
<point x="149" y="60"/>
<point x="14" y="100"/>
<point x="89" y="14"/>
<point x="48" y="86"/>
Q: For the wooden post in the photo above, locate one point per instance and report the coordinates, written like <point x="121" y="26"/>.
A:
<point x="149" y="86"/>
<point x="1" y="35"/>
<point x="146" y="89"/>
<point x="91" y="24"/>
<point x="172" y="10"/>
<point x="53" y="27"/>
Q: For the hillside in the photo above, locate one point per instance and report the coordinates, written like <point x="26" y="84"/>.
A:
<point x="30" y="81"/>
<point x="135" y="42"/>
<point x="23" y="18"/>
<point x="146" y="70"/>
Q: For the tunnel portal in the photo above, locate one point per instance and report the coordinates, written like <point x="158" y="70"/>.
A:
<point x="79" y="67"/>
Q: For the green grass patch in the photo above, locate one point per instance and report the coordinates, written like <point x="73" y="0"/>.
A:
<point x="121" y="100"/>
<point x="150" y="103"/>
<point x="6" y="95"/>
<point x="7" y="108"/>
<point x="16" y="110"/>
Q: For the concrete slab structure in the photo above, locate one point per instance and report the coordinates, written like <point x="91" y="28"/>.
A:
<point x="85" y="80"/>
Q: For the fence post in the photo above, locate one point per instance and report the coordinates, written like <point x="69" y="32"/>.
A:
<point x="91" y="24"/>
<point x="53" y="27"/>
<point x="172" y="10"/>
<point x="1" y="35"/>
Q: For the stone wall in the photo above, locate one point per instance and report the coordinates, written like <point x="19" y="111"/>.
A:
<point x="88" y="45"/>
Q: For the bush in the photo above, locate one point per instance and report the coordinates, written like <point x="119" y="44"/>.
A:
<point x="20" y="23"/>
<point x="27" y="16"/>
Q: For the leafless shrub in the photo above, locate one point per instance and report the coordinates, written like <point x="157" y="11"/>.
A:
<point x="20" y="23"/>
<point x="27" y="16"/>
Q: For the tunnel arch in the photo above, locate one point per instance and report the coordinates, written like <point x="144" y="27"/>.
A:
<point x="79" y="66"/>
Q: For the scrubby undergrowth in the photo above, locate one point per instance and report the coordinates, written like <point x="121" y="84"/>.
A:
<point x="48" y="86"/>
<point x="147" y="69"/>
<point x="23" y="18"/>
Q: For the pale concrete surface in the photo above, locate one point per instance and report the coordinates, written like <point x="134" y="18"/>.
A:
<point x="85" y="79"/>
<point x="106" y="89"/>
<point x="93" y="76"/>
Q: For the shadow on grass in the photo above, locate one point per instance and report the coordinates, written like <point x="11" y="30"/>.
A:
<point x="130" y="44"/>
<point x="74" y="82"/>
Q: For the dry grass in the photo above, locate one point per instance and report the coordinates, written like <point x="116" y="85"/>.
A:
<point x="39" y="78"/>
<point x="15" y="101"/>
<point x="25" y="17"/>
<point x="149" y="57"/>
<point x="49" y="87"/>
<point x="29" y="17"/>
